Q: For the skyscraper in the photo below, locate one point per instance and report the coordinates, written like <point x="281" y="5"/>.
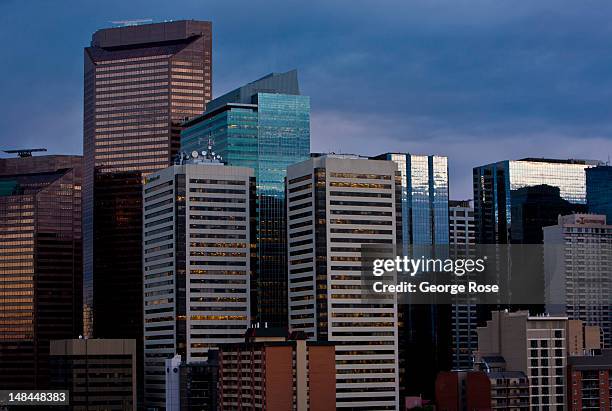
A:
<point x="140" y="83"/>
<point x="464" y="313"/>
<point x="336" y="205"/>
<point x="535" y="207"/>
<point x="599" y="190"/>
<point x="197" y="264"/>
<point x="494" y="185"/>
<point x="264" y="125"/>
<point x="578" y="269"/>
<point x="40" y="272"/>
<point x="425" y="330"/>
<point x="424" y="198"/>
<point x="514" y="200"/>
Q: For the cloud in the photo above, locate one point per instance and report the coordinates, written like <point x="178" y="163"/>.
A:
<point x="477" y="80"/>
<point x="339" y="132"/>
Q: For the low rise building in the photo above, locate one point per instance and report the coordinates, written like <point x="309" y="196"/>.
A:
<point x="482" y="390"/>
<point x="193" y="385"/>
<point x="274" y="371"/>
<point x="533" y="345"/>
<point x="589" y="385"/>
<point x="100" y="374"/>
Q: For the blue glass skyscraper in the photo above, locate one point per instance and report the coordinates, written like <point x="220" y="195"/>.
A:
<point x="599" y="191"/>
<point x="424" y="198"/>
<point x="264" y="125"/>
<point x="424" y="330"/>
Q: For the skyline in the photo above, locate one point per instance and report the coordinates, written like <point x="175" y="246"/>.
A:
<point x="438" y="78"/>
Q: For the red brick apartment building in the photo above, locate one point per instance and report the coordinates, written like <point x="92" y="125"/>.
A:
<point x="274" y="371"/>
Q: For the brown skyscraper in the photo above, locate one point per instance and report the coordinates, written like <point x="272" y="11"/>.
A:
<point x="141" y="82"/>
<point x="40" y="264"/>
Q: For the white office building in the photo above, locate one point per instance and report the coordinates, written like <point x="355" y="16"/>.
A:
<point x="336" y="204"/>
<point x="196" y="261"/>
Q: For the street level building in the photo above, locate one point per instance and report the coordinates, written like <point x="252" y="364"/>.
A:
<point x="274" y="371"/>
<point x="98" y="374"/>
<point x="482" y="390"/>
<point x="590" y="378"/>
<point x="535" y="346"/>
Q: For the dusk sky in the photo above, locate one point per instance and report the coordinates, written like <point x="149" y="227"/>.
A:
<point x="478" y="81"/>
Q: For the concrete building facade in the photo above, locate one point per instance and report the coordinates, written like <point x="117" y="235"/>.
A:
<point x="335" y="206"/>
<point x="535" y="346"/>
<point x="197" y="254"/>
<point x="99" y="374"/>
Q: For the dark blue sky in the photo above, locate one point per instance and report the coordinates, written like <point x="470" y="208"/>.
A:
<point x="479" y="80"/>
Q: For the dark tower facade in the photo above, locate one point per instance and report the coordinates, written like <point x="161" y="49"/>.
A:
<point x="599" y="191"/>
<point x="494" y="185"/>
<point x="141" y="83"/>
<point x="40" y="264"/>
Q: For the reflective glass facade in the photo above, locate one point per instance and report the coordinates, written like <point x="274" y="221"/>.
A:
<point x="266" y="131"/>
<point x="494" y="184"/>
<point x="424" y="198"/>
<point x="599" y="191"/>
<point x="40" y="264"/>
<point x="234" y="130"/>
<point x="424" y="330"/>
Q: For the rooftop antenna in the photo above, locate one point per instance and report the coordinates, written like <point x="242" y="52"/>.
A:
<point x="128" y="23"/>
<point x="24" y="152"/>
<point x="209" y="153"/>
<point x="205" y="156"/>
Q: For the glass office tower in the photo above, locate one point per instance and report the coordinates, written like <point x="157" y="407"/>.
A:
<point x="425" y="330"/>
<point x="599" y="191"/>
<point x="40" y="264"/>
<point x="264" y="125"/>
<point x="514" y="200"/>
<point x="495" y="183"/>
<point x="424" y="198"/>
